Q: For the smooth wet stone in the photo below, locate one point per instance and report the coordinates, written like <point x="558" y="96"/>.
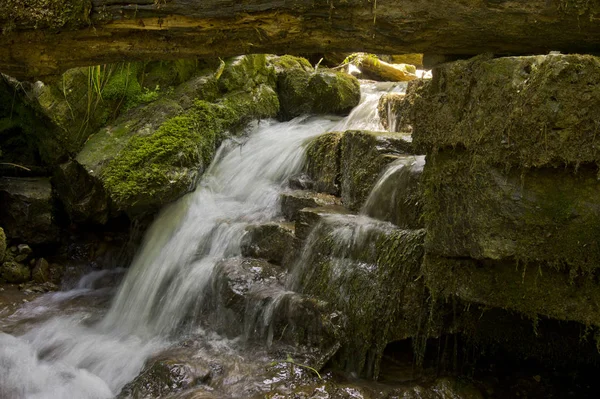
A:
<point x="167" y="375"/>
<point x="274" y="242"/>
<point x="292" y="202"/>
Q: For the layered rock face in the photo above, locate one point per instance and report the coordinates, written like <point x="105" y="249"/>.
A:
<point x="512" y="201"/>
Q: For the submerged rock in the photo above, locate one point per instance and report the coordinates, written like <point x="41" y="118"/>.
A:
<point x="302" y="90"/>
<point x="167" y="375"/>
<point x="27" y="209"/>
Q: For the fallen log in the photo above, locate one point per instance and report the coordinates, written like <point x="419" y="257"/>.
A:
<point x="42" y="38"/>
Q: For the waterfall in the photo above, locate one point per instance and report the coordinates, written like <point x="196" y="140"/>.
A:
<point x="77" y="354"/>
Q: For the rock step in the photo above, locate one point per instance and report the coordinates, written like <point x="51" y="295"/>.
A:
<point x="294" y="201"/>
<point x="248" y="298"/>
<point x="274" y="242"/>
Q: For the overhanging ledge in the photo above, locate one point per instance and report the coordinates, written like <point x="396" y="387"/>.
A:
<point x="37" y="43"/>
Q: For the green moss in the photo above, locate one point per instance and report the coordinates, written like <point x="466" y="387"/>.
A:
<point x="370" y="279"/>
<point x="533" y="215"/>
<point x="246" y="72"/>
<point x="323" y="162"/>
<point x="146" y="166"/>
<point x="40" y="14"/>
<point x="123" y="86"/>
<point x="514" y="111"/>
<point x="290" y="62"/>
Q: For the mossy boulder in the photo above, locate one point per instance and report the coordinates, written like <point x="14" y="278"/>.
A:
<point x="152" y="155"/>
<point x="14" y="272"/>
<point x="364" y="155"/>
<point x="27" y="209"/>
<point x="302" y="90"/>
<point x="530" y="111"/>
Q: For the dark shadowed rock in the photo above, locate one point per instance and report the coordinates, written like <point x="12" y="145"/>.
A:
<point x="26" y="212"/>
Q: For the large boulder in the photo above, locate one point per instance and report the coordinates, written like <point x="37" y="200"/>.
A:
<point x="27" y="209"/>
<point x="152" y="155"/>
<point x="304" y="90"/>
<point x="14" y="272"/>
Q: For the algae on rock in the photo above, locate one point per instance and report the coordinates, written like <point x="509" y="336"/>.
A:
<point x="152" y="155"/>
<point x="302" y="90"/>
<point x="367" y="269"/>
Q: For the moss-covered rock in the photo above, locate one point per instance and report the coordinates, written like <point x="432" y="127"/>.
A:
<point x="530" y="289"/>
<point x="27" y="209"/>
<point x="545" y="215"/>
<point x="154" y="154"/>
<point x="515" y="111"/>
<point x="14" y="272"/>
<point x="397" y="197"/>
<point x="302" y="90"/>
<point x="395" y="108"/>
<point x="367" y="270"/>
<point x="323" y="163"/>
<point x="364" y="155"/>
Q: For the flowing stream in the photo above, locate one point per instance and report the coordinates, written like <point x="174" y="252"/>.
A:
<point x="69" y="345"/>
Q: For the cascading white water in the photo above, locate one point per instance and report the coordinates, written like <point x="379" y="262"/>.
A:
<point x="74" y="356"/>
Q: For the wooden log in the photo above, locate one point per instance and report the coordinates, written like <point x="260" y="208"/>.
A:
<point x="38" y="41"/>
